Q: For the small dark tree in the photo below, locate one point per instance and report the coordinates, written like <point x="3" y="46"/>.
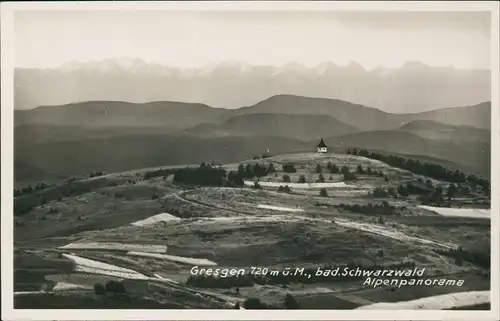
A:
<point x="403" y="191"/>
<point x="270" y="168"/>
<point x="334" y="169"/>
<point x="291" y="302"/>
<point x="379" y="192"/>
<point x="286" y="178"/>
<point x="237" y="306"/>
<point x="318" y="168"/>
<point x="115" y="287"/>
<point x="289" y="168"/>
<point x="241" y="170"/>
<point x="392" y="192"/>
<point x="323" y="192"/>
<point x="99" y="289"/>
<point x="256" y="185"/>
<point x="360" y="170"/>
<point x="348" y="176"/>
<point x="254" y="303"/>
<point x="302" y="179"/>
<point x="234" y="178"/>
<point x="344" y="169"/>
<point x="452" y="191"/>
<point x="321" y="179"/>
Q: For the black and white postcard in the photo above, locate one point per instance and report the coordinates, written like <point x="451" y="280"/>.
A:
<point x="338" y="159"/>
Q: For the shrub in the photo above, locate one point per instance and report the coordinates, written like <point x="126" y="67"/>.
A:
<point x="289" y="168"/>
<point x="334" y="169"/>
<point x="403" y="191"/>
<point x="323" y="192"/>
<point x="115" y="287"/>
<point x="321" y="179"/>
<point x="286" y="178"/>
<point x="380" y="192"/>
<point x="235" y="178"/>
<point x="270" y="168"/>
<point x="256" y="185"/>
<point x="360" y="170"/>
<point x="302" y="179"/>
<point x="205" y="175"/>
<point x="291" y="302"/>
<point x="99" y="289"/>
<point x="392" y="192"/>
<point x="254" y="303"/>
<point x="284" y="189"/>
<point x="348" y="176"/>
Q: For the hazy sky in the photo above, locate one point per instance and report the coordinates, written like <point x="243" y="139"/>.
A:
<point x="185" y="39"/>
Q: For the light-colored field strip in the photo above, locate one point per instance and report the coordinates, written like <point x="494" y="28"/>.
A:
<point x="62" y="286"/>
<point x="257" y="219"/>
<point x="438" y="302"/>
<point x="29" y="292"/>
<point x="280" y="208"/>
<point x="174" y="258"/>
<point x="95" y="267"/>
<point x="115" y="247"/>
<point x="382" y="230"/>
<point x="163" y="217"/>
<point x="459" y="212"/>
<point x="300" y="185"/>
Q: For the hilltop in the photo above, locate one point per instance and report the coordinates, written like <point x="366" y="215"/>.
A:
<point x="152" y="225"/>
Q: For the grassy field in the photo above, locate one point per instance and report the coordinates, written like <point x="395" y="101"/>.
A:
<point x="238" y="228"/>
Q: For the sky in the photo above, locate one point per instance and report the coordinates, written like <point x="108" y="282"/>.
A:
<point x="48" y="39"/>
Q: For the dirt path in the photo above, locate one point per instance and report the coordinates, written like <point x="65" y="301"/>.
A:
<point x="394" y="234"/>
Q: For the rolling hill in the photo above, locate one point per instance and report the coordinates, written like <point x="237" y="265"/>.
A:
<point x="178" y="115"/>
<point x="300" y="127"/>
<point x="439" y="131"/>
<point x="95" y="114"/>
<point x="473" y="155"/>
<point x="83" y="137"/>
<point x="80" y="157"/>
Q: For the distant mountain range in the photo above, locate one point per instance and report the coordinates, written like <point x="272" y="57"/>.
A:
<point x="57" y="141"/>
<point x="413" y="88"/>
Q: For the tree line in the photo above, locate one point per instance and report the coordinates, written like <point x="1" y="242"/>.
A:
<point x="425" y="168"/>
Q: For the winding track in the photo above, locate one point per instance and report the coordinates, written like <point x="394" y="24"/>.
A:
<point x="365" y="227"/>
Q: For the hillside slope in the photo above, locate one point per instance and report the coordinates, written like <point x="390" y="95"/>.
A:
<point x="457" y="133"/>
<point x="66" y="158"/>
<point x="120" y="114"/>
<point x="474" y="155"/>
